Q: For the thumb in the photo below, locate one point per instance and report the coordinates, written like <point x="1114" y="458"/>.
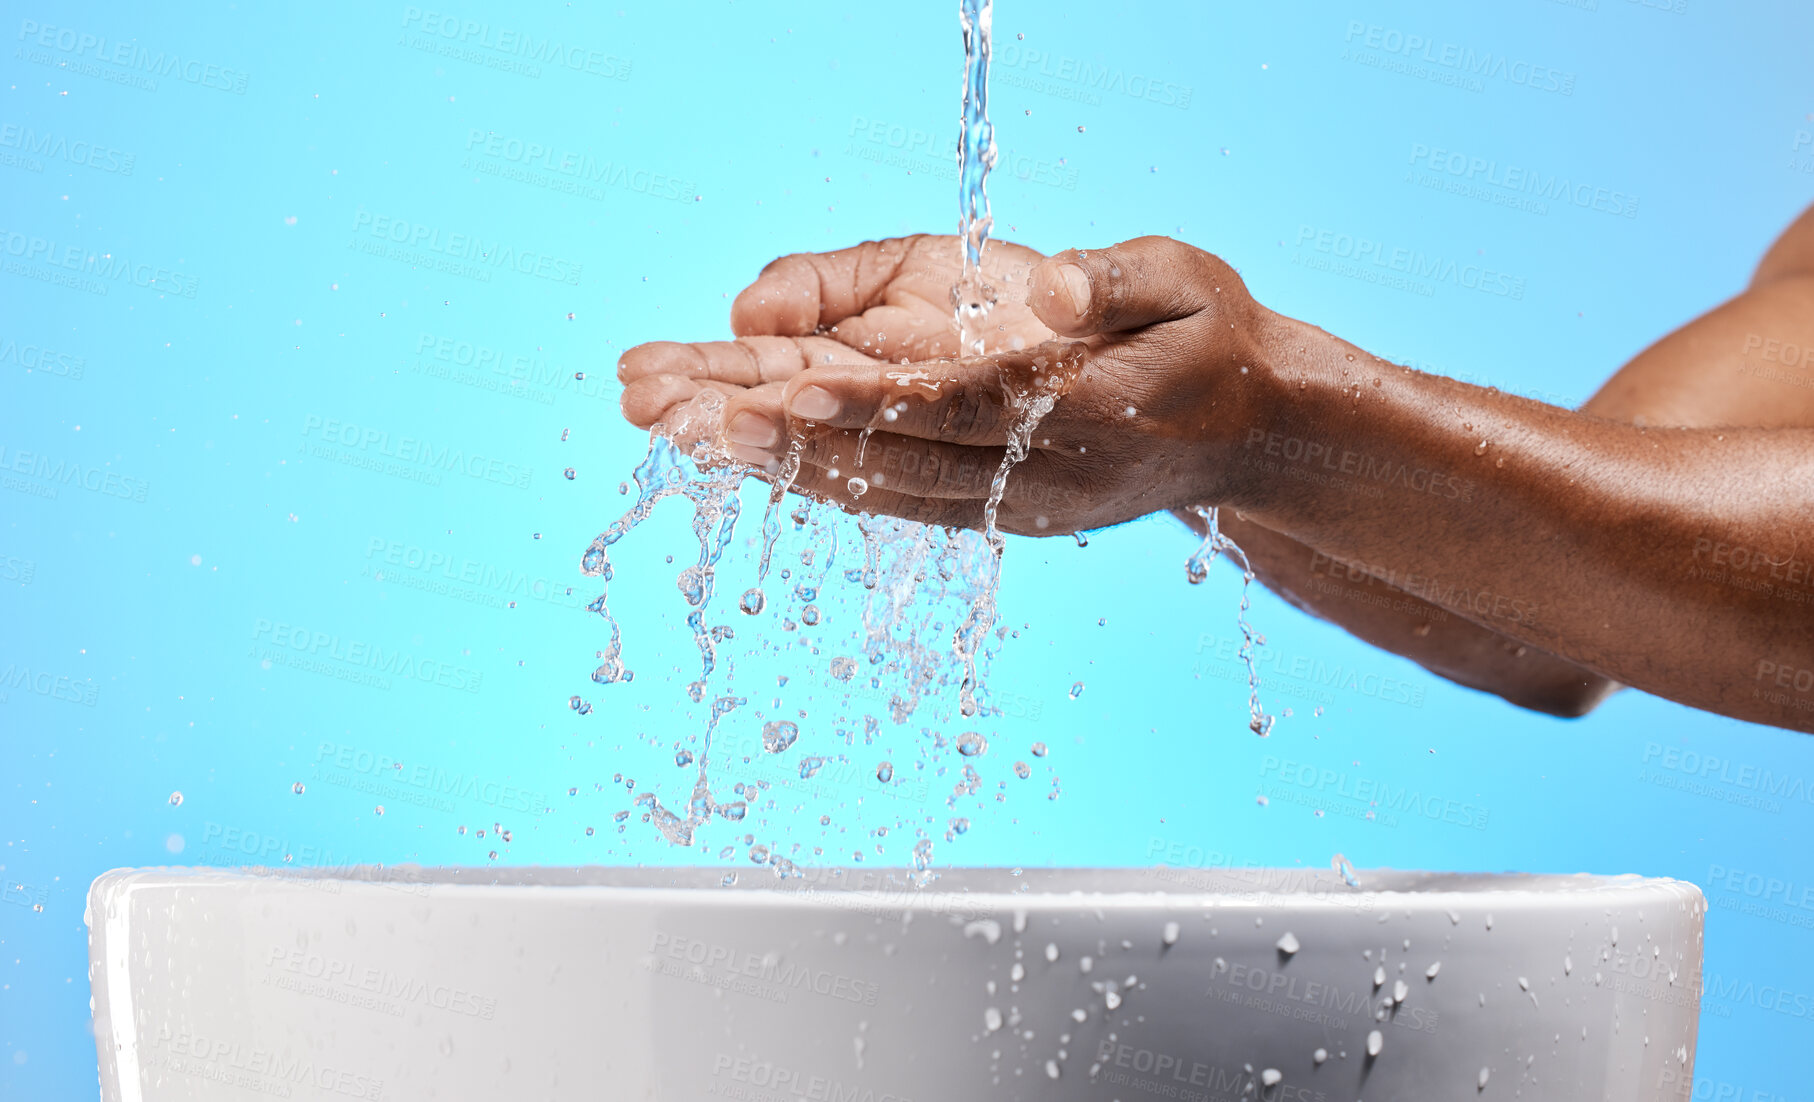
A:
<point x="1137" y="283"/>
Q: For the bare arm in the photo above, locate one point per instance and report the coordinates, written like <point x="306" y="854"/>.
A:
<point x="1728" y="367"/>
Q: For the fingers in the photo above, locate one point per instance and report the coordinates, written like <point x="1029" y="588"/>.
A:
<point x="895" y="333"/>
<point x="1127" y="286"/>
<point x="796" y="295"/>
<point x="747" y="361"/>
<point x="648" y="400"/>
<point x="962" y="402"/>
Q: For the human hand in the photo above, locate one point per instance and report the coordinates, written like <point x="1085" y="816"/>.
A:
<point x="1171" y="374"/>
<point x="881" y="302"/>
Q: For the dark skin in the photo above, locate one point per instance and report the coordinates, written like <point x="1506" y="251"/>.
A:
<point x="1661" y="536"/>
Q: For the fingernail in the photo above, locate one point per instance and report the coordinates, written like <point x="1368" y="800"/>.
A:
<point x="752" y="430"/>
<point x="815" y="404"/>
<point x="756" y="457"/>
<point x="1078" y="285"/>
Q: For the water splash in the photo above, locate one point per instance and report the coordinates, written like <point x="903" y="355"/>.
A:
<point x="972" y="297"/>
<point x="1196" y="568"/>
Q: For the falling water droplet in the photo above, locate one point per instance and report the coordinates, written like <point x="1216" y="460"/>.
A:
<point x="1039" y="749"/>
<point x="569" y="473"/>
<point x="1022" y="770"/>
<point x="971" y="743"/>
<point x="176" y="799"/>
<point x="778" y="735"/>
<point x="885" y="772"/>
<point x="297" y="788"/>
<point x="752" y="600"/>
<point x="1076" y="690"/>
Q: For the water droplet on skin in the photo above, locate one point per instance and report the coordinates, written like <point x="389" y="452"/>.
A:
<point x="176" y="799"/>
<point x="752" y="601"/>
<point x="857" y="486"/>
<point x="971" y="743"/>
<point x="778" y="735"/>
<point x="1480" y="448"/>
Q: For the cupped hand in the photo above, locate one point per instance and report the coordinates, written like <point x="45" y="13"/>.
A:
<point x="1168" y="380"/>
<point x="878" y="302"/>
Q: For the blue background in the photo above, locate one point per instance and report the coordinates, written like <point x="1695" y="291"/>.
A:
<point x="778" y="128"/>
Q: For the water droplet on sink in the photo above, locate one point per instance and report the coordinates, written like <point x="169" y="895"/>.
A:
<point x="1288" y="944"/>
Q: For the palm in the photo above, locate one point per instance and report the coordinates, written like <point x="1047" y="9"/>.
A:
<point x="881" y="301"/>
<point x="895" y="301"/>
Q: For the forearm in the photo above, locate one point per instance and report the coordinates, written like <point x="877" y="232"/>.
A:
<point x="1388" y="617"/>
<point x="1571" y="534"/>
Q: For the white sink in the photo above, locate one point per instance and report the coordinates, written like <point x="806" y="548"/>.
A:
<point x="850" y="985"/>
